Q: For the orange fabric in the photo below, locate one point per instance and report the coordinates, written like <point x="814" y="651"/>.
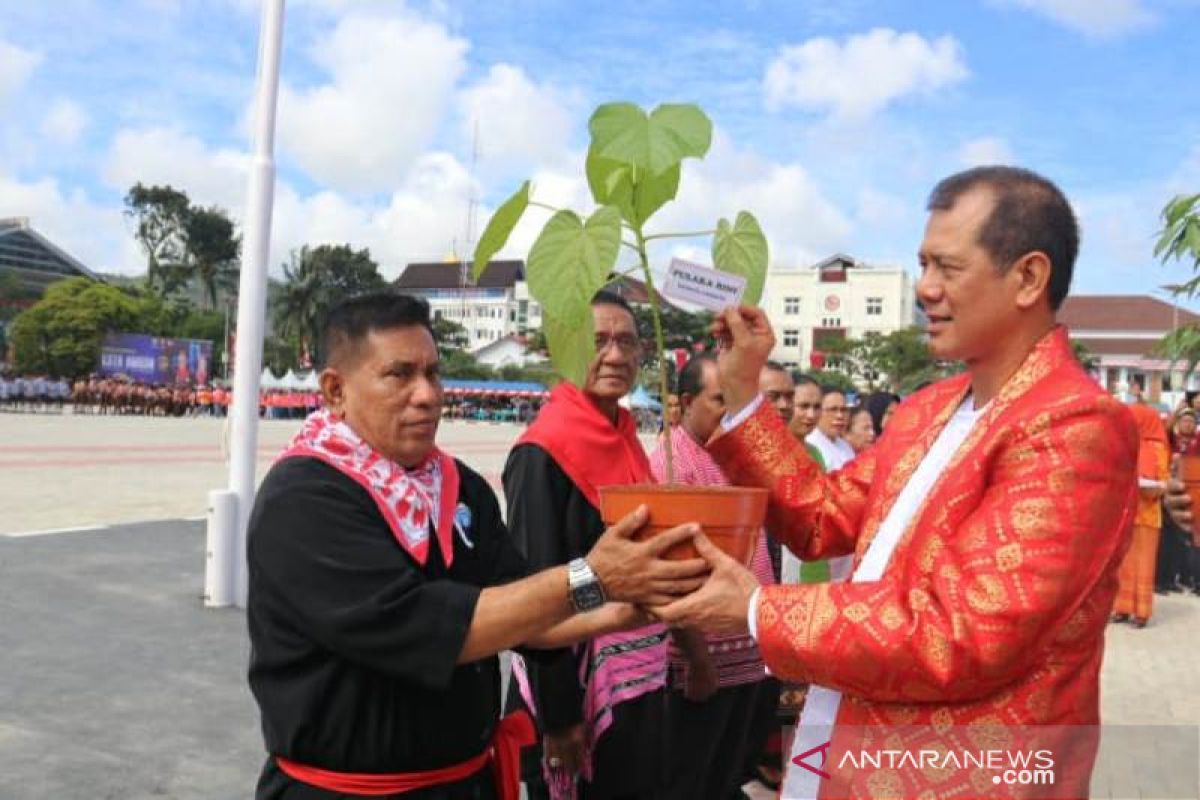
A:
<point x="1154" y="461"/>
<point x="994" y="604"/>
<point x="1135" y="592"/>
<point x="512" y="733"/>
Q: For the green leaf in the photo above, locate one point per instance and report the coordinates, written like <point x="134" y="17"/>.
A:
<point x="571" y="260"/>
<point x="742" y="250"/>
<point x="622" y="132"/>
<point x="635" y="192"/>
<point x="499" y="228"/>
<point x="572" y="346"/>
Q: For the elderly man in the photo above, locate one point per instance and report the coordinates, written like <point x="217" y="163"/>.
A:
<point x="383" y="584"/>
<point x="987" y="526"/>
<point x="715" y="681"/>
<point x="599" y="707"/>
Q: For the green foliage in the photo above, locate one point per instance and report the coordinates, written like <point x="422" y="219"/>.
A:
<point x="449" y="335"/>
<point x="213" y="251"/>
<point x="61" y="334"/>
<point x="741" y="249"/>
<point x="898" y="361"/>
<point x="633" y="169"/>
<point x="161" y="216"/>
<point x="461" y="365"/>
<point x="833" y="378"/>
<point x="315" y="280"/>
<point x="1084" y="356"/>
<point x="1179" y="240"/>
<point x="499" y="228"/>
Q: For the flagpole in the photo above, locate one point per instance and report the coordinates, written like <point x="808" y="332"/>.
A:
<point x="227" y="549"/>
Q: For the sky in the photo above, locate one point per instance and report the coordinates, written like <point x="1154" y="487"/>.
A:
<point x="833" y="118"/>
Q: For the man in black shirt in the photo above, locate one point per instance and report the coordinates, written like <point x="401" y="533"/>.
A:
<point x="383" y="584"/>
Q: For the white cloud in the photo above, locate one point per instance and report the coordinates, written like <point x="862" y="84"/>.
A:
<point x="390" y="82"/>
<point x="65" y="120"/>
<point x="94" y="234"/>
<point x="985" y="151"/>
<point x="16" y="65"/>
<point x="862" y="75"/>
<point x="802" y="225"/>
<point x="166" y="156"/>
<point x="1099" y="19"/>
<point x="518" y="119"/>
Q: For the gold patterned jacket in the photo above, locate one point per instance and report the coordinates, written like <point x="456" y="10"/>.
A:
<point x="991" y="612"/>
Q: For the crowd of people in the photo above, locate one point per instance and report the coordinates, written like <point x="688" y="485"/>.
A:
<point x="927" y="568"/>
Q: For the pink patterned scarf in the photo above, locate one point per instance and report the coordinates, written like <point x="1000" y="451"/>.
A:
<point x="408" y="499"/>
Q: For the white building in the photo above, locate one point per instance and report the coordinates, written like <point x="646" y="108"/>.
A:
<point x="497" y="307"/>
<point x="837" y="298"/>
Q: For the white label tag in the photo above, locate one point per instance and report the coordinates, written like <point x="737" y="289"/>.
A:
<point x="707" y="288"/>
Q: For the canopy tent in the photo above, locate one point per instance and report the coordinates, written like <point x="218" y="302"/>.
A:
<point x="269" y="381"/>
<point x="310" y="382"/>
<point x="526" y="389"/>
<point x="642" y="399"/>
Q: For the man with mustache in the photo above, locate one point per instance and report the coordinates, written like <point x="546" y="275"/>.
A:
<point x="383" y="584"/>
<point x="986" y="527"/>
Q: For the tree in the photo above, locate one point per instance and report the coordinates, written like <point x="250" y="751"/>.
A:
<point x="1179" y="240"/>
<point x="897" y="361"/>
<point x="62" y="333"/>
<point x="161" y="214"/>
<point x="212" y="252"/>
<point x="315" y="280"/>
<point x="449" y="335"/>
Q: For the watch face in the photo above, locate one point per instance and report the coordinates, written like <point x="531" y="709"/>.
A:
<point x="589" y="596"/>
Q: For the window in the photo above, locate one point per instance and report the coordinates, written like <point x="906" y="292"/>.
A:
<point x="874" y="306"/>
<point x="791" y="306"/>
<point x="831" y="322"/>
<point x="791" y="337"/>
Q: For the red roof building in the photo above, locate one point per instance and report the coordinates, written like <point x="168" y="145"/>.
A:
<point x="1121" y="332"/>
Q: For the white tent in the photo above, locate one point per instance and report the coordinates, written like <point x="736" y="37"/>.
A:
<point x="290" y="382"/>
<point x="310" y="382"/>
<point x="268" y="380"/>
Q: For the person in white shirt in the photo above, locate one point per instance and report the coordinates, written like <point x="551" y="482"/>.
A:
<point x="836" y="452"/>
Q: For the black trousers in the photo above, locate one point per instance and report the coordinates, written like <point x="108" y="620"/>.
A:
<point x="709" y="742"/>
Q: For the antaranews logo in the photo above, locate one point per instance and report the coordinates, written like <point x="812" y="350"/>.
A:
<point x="1011" y="767"/>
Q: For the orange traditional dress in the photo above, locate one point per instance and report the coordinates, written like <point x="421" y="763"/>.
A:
<point x="988" y="619"/>
<point x="1135" y="595"/>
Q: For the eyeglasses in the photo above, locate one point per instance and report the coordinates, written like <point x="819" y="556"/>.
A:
<point x="626" y="342"/>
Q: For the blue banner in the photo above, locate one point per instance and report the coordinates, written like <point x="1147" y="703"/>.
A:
<point x="155" y="359"/>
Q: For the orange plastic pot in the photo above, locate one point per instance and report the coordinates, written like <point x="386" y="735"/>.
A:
<point x="731" y="516"/>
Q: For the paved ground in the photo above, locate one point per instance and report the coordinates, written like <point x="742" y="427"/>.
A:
<point x="116" y="683"/>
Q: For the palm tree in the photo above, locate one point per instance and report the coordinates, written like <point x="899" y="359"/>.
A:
<point x="302" y="300"/>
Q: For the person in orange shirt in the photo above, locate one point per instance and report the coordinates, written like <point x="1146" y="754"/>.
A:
<point x="1135" y="591"/>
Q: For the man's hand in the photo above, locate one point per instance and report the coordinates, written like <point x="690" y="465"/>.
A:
<point x="1177" y="500"/>
<point x="564" y="750"/>
<point x="722" y="604"/>
<point x="635" y="572"/>
<point x="746" y="343"/>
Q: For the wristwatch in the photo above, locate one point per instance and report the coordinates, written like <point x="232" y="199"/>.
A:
<point x="586" y="592"/>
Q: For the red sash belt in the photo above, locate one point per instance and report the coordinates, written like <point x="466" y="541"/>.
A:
<point x="512" y="733"/>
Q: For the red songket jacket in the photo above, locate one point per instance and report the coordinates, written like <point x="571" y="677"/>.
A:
<point x="991" y="612"/>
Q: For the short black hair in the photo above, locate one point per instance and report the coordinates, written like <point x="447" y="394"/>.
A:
<point x="349" y="322"/>
<point x="830" y="389"/>
<point x="607" y="297"/>
<point x="691" y="377"/>
<point x="1030" y="214"/>
<point x="800" y="379"/>
<point x="775" y="366"/>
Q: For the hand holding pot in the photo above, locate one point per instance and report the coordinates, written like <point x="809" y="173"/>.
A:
<point x="636" y="572"/>
<point x="746" y="343"/>
<point x="722" y="604"/>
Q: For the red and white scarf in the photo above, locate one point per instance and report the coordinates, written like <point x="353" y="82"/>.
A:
<point x="408" y="499"/>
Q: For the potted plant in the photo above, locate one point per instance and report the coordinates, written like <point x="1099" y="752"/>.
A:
<point x="633" y="168"/>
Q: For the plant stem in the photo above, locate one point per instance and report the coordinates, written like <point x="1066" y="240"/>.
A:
<point x="536" y="204"/>
<point x="688" y="235"/>
<point x="661" y="343"/>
